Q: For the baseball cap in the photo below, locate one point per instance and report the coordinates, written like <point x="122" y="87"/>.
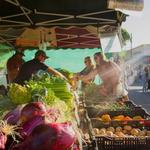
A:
<point x="40" y="52"/>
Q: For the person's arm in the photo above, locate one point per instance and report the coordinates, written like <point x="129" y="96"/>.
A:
<point x="89" y="76"/>
<point x="82" y="72"/>
<point x="55" y="72"/>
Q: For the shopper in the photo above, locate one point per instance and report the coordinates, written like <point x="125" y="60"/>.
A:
<point x="14" y="64"/>
<point x="89" y="66"/>
<point x="145" y="79"/>
<point x="109" y="72"/>
<point x="33" y="66"/>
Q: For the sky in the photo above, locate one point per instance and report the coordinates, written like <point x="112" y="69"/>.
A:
<point x="138" y="23"/>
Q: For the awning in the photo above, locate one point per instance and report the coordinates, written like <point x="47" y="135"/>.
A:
<point x="65" y="15"/>
<point x="69" y="37"/>
<point x="25" y="13"/>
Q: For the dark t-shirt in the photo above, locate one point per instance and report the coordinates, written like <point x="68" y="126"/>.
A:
<point x="86" y="71"/>
<point x="28" y="69"/>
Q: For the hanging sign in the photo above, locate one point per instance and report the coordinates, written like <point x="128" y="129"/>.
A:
<point x="135" y="5"/>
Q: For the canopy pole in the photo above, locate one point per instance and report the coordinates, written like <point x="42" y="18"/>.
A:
<point x="99" y="12"/>
<point x="22" y="9"/>
<point x="99" y="37"/>
<point x="72" y="24"/>
<point x="6" y="41"/>
<point x="120" y="35"/>
<point x="13" y="3"/>
<point x="98" y="19"/>
<point x="16" y="15"/>
<point x="11" y="21"/>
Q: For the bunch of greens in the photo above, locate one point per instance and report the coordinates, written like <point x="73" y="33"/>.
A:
<point x="116" y="106"/>
<point x="18" y="94"/>
<point x="111" y="106"/>
<point x="52" y="87"/>
<point x="39" y="92"/>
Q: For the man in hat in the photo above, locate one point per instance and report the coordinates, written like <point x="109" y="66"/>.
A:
<point x="33" y="66"/>
<point x="14" y="64"/>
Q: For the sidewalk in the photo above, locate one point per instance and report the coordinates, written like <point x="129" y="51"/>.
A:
<point x="139" y="97"/>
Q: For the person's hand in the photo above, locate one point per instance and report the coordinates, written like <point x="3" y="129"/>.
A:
<point x="76" y="76"/>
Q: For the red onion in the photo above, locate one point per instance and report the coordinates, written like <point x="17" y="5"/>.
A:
<point x="13" y="116"/>
<point x="3" y="139"/>
<point x="66" y="135"/>
<point x="49" y="137"/>
<point x="31" y="110"/>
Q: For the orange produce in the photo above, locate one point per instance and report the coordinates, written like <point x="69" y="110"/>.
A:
<point x="106" y="118"/>
<point x="118" y="118"/>
<point x="127" y="118"/>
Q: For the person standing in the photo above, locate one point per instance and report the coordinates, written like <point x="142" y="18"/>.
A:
<point x="108" y="71"/>
<point x="33" y="66"/>
<point x="88" y="68"/>
<point x="14" y="64"/>
<point x="145" y="79"/>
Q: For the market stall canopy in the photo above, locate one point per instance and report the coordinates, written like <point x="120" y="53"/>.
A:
<point x="69" y="37"/>
<point x="66" y="16"/>
<point x="16" y="13"/>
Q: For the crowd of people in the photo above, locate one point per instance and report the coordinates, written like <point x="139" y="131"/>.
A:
<point x="114" y="80"/>
<point x="108" y="71"/>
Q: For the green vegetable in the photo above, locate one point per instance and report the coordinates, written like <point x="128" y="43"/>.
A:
<point x="18" y="94"/>
<point x="40" y="92"/>
<point x="50" y="89"/>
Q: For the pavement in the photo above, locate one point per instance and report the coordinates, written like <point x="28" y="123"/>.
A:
<point x="138" y="96"/>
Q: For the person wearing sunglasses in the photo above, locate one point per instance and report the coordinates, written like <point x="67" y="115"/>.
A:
<point x="88" y="68"/>
<point x="108" y="71"/>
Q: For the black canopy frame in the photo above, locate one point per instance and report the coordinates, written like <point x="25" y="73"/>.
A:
<point x="49" y="13"/>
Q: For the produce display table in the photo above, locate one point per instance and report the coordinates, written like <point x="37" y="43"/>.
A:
<point x="124" y="128"/>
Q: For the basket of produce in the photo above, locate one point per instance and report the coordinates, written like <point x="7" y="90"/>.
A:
<point x="115" y="110"/>
<point x="122" y="137"/>
<point x="99" y="123"/>
<point x="100" y="108"/>
<point x="121" y="119"/>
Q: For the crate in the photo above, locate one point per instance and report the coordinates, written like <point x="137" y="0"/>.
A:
<point x="91" y="146"/>
<point x="107" y="143"/>
<point x="130" y="104"/>
<point x="123" y="143"/>
<point x="137" y="111"/>
<point x="134" y="123"/>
